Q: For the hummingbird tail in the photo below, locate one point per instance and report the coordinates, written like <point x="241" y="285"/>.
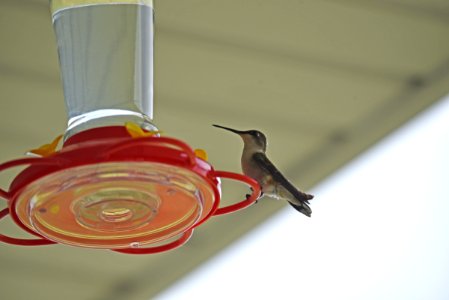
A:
<point x="302" y="208"/>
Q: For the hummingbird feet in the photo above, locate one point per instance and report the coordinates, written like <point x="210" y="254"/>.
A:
<point x="249" y="195"/>
<point x="257" y="200"/>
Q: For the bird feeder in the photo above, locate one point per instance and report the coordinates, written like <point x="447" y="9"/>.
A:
<point x="115" y="183"/>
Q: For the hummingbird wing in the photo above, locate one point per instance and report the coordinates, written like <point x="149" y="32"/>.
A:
<point x="263" y="162"/>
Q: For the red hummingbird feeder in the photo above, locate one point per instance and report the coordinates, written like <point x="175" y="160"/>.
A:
<point x="115" y="183"/>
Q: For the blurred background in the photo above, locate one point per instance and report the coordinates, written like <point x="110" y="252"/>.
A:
<point x="326" y="81"/>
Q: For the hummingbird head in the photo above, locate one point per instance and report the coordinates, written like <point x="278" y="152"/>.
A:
<point x="253" y="139"/>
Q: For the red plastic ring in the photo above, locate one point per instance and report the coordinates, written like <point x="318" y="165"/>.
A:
<point x="30" y="161"/>
<point x="150" y="140"/>
<point x="151" y="250"/>
<point x="4" y="194"/>
<point x="21" y="242"/>
<point x="213" y="209"/>
<point x="245" y="203"/>
<point x="25" y="161"/>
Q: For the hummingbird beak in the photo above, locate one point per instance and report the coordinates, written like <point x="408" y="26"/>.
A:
<point x="230" y="129"/>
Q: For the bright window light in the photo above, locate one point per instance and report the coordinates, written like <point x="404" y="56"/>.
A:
<point x="379" y="230"/>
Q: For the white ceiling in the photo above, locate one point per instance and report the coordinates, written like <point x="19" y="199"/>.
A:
<point x="324" y="79"/>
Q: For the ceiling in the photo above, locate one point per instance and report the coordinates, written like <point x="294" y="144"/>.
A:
<point x="323" y="79"/>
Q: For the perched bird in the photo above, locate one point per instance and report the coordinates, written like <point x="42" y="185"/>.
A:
<point x="256" y="165"/>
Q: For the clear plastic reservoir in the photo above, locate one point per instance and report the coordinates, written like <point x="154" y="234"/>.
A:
<point x="106" y="59"/>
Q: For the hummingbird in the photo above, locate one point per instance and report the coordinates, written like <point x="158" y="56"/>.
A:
<point x="255" y="164"/>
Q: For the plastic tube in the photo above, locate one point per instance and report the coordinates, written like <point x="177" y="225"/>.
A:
<point x="106" y="59"/>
